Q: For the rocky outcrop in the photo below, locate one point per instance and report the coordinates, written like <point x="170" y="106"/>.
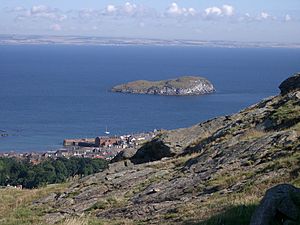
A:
<point x="125" y="154"/>
<point x="173" y="142"/>
<point x="152" y="151"/>
<point x="280" y="205"/>
<point x="290" y="84"/>
<point x="273" y="114"/>
<point x="187" y="85"/>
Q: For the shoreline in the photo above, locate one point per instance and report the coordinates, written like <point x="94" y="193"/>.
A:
<point x="107" y="147"/>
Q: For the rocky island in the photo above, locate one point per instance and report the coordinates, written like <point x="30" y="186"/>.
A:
<point x="186" y="85"/>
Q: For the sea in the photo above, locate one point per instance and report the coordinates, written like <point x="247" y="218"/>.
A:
<point x="49" y="93"/>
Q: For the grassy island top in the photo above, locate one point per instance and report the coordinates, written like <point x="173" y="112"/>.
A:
<point x="181" y="82"/>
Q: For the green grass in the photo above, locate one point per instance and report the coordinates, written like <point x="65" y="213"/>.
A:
<point x="287" y="113"/>
<point x="107" y="203"/>
<point x="16" y="205"/>
<point x="99" y="205"/>
<point x="73" y="194"/>
<point x="182" y="82"/>
<point x="93" y="220"/>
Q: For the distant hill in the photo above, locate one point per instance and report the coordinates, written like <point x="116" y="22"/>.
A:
<point x="187" y="85"/>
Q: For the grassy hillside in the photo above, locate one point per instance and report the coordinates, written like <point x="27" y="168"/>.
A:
<point x="16" y="205"/>
<point x="213" y="173"/>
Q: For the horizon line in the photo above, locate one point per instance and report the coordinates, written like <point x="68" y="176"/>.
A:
<point x="45" y="39"/>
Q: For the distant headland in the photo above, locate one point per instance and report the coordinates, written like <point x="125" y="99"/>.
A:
<point x="121" y="41"/>
<point x="186" y="85"/>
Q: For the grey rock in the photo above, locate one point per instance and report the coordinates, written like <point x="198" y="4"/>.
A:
<point x="176" y="142"/>
<point x="125" y="154"/>
<point x="277" y="205"/>
<point x="141" y="211"/>
<point x="290" y="84"/>
<point x="90" y="192"/>
<point x="53" y="218"/>
<point x="50" y="198"/>
<point x="118" y="166"/>
<point x="152" y="151"/>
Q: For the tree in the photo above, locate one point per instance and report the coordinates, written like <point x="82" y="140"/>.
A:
<point x="15" y="172"/>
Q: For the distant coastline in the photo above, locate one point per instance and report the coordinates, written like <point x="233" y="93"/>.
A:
<point x="113" y="41"/>
<point x="101" y="147"/>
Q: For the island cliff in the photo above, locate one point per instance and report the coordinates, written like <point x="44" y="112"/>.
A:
<point x="187" y="85"/>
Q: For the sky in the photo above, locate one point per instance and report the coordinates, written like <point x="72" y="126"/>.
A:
<point x="231" y="20"/>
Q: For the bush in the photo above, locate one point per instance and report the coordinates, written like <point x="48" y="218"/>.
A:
<point x="18" y="172"/>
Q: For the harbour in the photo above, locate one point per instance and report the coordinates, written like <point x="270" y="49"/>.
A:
<point x="103" y="147"/>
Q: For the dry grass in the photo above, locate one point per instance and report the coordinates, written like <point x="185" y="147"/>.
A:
<point x="92" y="220"/>
<point x="296" y="128"/>
<point x="76" y="221"/>
<point x="251" y="134"/>
<point x="174" y="162"/>
<point x="234" y="208"/>
<point x="15" y="204"/>
<point x="216" y="205"/>
<point x="220" y="209"/>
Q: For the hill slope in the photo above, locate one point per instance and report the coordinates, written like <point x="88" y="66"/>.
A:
<point x="211" y="173"/>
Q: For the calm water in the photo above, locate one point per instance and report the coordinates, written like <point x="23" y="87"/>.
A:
<point x="49" y="93"/>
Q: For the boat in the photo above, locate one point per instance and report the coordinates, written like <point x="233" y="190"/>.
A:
<point x="106" y="131"/>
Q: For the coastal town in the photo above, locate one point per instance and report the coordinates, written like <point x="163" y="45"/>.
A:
<point x="101" y="147"/>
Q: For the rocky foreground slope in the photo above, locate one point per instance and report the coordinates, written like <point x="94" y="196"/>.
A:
<point x="187" y="85"/>
<point x="195" y="174"/>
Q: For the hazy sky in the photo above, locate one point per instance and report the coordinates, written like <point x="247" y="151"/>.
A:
<point x="240" y="20"/>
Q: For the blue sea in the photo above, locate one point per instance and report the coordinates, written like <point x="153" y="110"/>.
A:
<point x="52" y="92"/>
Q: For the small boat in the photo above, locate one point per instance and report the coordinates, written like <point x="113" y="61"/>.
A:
<point x="106" y="131"/>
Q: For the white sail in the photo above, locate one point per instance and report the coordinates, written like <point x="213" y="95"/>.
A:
<point x="106" y="131"/>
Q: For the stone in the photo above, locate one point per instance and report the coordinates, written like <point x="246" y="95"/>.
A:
<point x="117" y="166"/>
<point x="277" y="205"/>
<point x="152" y="151"/>
<point x="125" y="154"/>
<point x="152" y="191"/>
<point x="50" y="198"/>
<point x="290" y="84"/>
<point x="53" y="218"/>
